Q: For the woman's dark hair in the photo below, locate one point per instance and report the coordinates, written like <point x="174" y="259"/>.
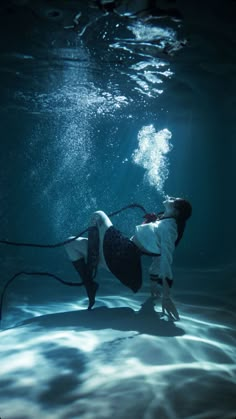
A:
<point x="184" y="211"/>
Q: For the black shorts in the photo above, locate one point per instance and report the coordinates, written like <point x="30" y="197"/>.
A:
<point x="123" y="258"/>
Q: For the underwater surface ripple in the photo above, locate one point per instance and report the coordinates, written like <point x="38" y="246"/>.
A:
<point x="121" y="358"/>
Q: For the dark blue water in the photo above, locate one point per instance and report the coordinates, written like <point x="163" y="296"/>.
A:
<point x="104" y="104"/>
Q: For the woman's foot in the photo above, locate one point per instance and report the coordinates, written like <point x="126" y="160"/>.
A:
<point x="91" y="289"/>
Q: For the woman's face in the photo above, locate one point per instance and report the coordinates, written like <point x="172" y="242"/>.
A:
<point x="169" y="204"/>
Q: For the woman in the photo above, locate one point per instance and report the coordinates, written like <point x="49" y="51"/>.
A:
<point x="107" y="247"/>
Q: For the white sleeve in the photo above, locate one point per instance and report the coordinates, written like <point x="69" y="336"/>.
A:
<point x="167" y="250"/>
<point x="161" y="265"/>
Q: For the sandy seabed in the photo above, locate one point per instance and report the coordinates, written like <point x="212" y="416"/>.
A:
<point x="120" y="360"/>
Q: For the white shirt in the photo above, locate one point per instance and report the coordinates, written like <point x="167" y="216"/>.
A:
<point x="158" y="237"/>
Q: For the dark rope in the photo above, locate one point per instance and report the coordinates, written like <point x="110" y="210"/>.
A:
<point x="53" y="246"/>
<point x="11" y="243"/>
<point x="73" y="284"/>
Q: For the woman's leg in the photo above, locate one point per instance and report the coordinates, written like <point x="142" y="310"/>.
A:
<point x="77" y="251"/>
<point x="78" y="248"/>
<point x="87" y="254"/>
<point x="101" y="222"/>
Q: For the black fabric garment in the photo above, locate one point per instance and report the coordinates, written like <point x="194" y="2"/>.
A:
<point x="123" y="258"/>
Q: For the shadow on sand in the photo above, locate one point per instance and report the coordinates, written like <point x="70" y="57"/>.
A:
<point x="144" y="321"/>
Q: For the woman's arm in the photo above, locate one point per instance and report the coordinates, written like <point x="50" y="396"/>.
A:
<point x="161" y="270"/>
<point x="168" y="307"/>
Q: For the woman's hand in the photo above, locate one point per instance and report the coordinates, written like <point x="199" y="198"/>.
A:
<point x="149" y="218"/>
<point x="154" y="289"/>
<point x="169" y="308"/>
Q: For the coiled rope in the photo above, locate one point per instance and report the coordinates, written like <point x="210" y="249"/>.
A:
<point x="11" y="243"/>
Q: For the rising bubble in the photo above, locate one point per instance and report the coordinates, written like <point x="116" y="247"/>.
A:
<point x="151" y="154"/>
